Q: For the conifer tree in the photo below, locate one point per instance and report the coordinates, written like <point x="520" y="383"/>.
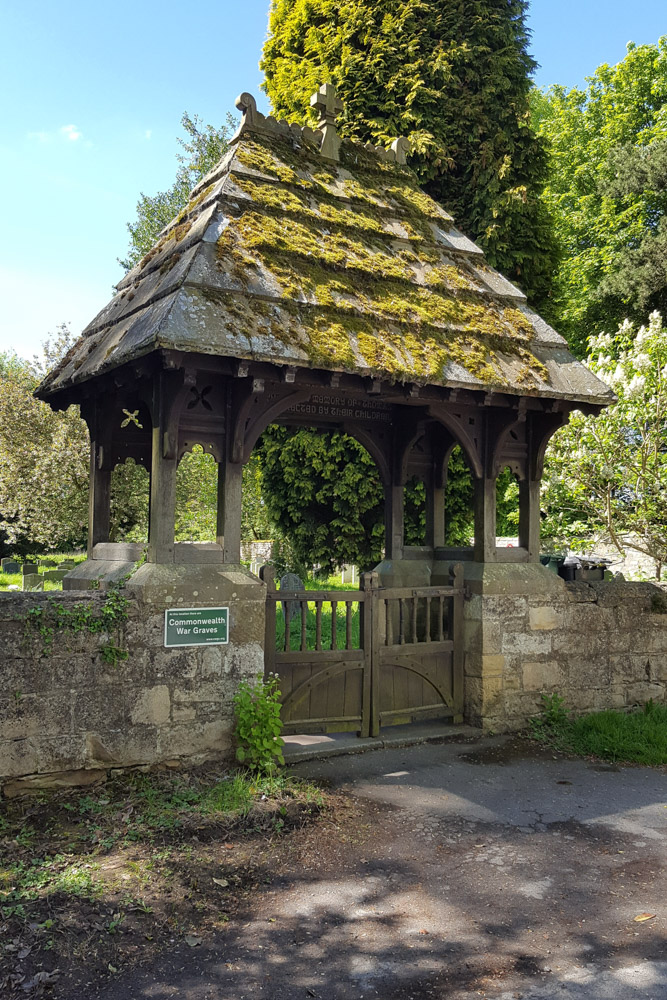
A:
<point x="453" y="76"/>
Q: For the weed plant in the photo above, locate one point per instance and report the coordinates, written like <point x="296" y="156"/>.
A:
<point x="637" y="737"/>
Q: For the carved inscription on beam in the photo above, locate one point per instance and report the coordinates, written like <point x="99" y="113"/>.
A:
<point x="328" y="406"/>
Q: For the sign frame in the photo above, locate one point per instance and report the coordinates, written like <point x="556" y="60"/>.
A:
<point x="204" y="640"/>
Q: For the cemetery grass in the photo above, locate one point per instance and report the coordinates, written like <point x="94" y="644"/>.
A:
<point x="45" y="562"/>
<point x="97" y="881"/>
<point x="333" y="584"/>
<point x="637" y="737"/>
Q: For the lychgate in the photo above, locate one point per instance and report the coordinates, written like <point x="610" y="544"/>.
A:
<point x="311" y="282"/>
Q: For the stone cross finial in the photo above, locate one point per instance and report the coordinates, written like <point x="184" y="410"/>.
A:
<point x="328" y="104"/>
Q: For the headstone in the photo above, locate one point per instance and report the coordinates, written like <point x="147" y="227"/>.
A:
<point x="66" y="565"/>
<point x="33" y="581"/>
<point x="10" y="566"/>
<point x="55" y="574"/>
<point x="29" y="568"/>
<point x="290" y="581"/>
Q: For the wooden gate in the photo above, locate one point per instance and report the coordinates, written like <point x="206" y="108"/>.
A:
<point x="356" y="660"/>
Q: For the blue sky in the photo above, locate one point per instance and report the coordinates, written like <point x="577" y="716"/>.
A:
<point x="93" y="100"/>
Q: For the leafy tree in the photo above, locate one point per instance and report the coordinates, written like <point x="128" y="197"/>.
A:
<point x="609" y="473"/>
<point x="453" y="77"/>
<point x="44" y="462"/>
<point x="606" y="192"/>
<point x="640" y="276"/>
<point x="200" y="152"/>
<point x="324" y="494"/>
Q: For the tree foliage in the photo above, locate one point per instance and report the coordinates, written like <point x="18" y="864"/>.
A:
<point x="199" y="153"/>
<point x="44" y="462"/>
<point x="453" y="77"/>
<point x="609" y="473"/>
<point x="606" y="192"/>
<point x="324" y="494"/>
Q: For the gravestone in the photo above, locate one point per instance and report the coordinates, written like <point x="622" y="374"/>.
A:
<point x="66" y="566"/>
<point x="55" y="574"/>
<point x="27" y="568"/>
<point x="290" y="581"/>
<point x="33" y="581"/>
<point x="10" y="566"/>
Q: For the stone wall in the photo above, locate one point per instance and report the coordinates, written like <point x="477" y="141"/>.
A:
<point x="68" y="716"/>
<point x="600" y="645"/>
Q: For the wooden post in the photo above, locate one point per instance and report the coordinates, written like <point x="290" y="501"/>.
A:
<point x="230" y="480"/>
<point x="435" y="516"/>
<point x="370" y="725"/>
<point x="393" y="517"/>
<point x="267" y="575"/>
<point x="457" y="636"/>
<point x="164" y="463"/>
<point x="99" y="501"/>
<point x="162" y="503"/>
<point x="529" y="517"/>
<point x="485" y="520"/>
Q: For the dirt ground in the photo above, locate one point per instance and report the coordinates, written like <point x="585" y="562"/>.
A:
<point x="453" y="871"/>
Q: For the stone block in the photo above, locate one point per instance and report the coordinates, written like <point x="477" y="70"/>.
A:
<point x="33" y="581"/>
<point x="199" y="691"/>
<point x="10" y="566"/>
<point x="568" y="644"/>
<point x="544" y="676"/>
<point x="18" y="757"/>
<point x="588" y="671"/>
<point x="29" y="567"/>
<point x="493" y="665"/>
<point x="629" y="667"/>
<point x="152" y="707"/>
<point x="55" y="575"/>
<point x="543" y="618"/>
<point x="183" y="712"/>
<point x="640" y="693"/>
<point x="492" y="633"/>
<point x="135" y="745"/>
<point x="199" y="740"/>
<point x="580" y="593"/>
<point x="59" y="779"/>
<point x="504" y="607"/>
<point x="588" y="618"/>
<point x="526" y="644"/>
<point x="520" y="706"/>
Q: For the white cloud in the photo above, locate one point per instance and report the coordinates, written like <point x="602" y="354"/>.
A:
<point x="148" y="133"/>
<point x="71" y="132"/>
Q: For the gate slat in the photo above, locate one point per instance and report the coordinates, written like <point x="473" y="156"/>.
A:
<point x="318" y="625"/>
<point x="334" y="624"/>
<point x="304" y="615"/>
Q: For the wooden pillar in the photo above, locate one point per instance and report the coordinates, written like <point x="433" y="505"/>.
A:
<point x="162" y="504"/>
<point x="529" y="517"/>
<point x="435" y="513"/>
<point x="485" y="519"/>
<point x="393" y="518"/>
<point x="164" y="463"/>
<point x="230" y="482"/>
<point x="99" y="501"/>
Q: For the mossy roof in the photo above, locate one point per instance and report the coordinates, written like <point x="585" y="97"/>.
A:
<point x="285" y="257"/>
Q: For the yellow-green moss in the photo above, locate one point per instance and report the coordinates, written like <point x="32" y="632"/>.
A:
<point x="193" y="203"/>
<point x="318" y="207"/>
<point x="263" y="232"/>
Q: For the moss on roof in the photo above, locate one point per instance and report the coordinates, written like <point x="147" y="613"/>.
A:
<point x="285" y="256"/>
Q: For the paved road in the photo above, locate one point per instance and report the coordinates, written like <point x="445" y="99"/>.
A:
<point x="467" y="870"/>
